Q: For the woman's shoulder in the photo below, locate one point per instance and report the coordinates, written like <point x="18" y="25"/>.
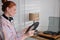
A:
<point x="2" y="20"/>
<point x="1" y="17"/>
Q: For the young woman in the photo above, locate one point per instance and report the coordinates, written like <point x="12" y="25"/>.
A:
<point x="6" y="26"/>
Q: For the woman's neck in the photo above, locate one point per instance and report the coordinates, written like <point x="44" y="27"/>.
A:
<point x="7" y="14"/>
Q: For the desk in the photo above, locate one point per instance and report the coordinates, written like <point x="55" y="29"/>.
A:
<point x="47" y="36"/>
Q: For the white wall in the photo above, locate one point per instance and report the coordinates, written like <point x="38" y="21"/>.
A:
<point x="0" y="8"/>
<point x="59" y="7"/>
<point x="45" y="8"/>
<point x="19" y="17"/>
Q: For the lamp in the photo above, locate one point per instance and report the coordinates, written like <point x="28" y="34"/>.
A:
<point x="33" y="17"/>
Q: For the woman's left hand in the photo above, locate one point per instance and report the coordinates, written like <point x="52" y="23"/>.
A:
<point x="30" y="33"/>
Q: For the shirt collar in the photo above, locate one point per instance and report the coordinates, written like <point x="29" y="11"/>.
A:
<point x="8" y="18"/>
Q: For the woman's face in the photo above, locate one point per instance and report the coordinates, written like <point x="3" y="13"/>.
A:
<point x="11" y="11"/>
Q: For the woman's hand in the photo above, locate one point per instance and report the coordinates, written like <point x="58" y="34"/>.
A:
<point x="30" y="33"/>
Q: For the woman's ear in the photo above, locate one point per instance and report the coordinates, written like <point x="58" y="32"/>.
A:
<point x="7" y="9"/>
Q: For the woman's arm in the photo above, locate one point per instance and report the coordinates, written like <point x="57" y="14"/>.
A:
<point x="23" y="36"/>
<point x="5" y="33"/>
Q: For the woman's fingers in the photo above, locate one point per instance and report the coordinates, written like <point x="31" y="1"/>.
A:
<point x="31" y="33"/>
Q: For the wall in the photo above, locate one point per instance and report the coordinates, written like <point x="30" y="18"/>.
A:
<point x="19" y="17"/>
<point x="59" y="7"/>
<point x="46" y="9"/>
<point x="0" y="8"/>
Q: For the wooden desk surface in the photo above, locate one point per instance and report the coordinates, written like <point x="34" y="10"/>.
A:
<point x="46" y="35"/>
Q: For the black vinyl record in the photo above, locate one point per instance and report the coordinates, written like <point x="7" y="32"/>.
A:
<point x="33" y="26"/>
